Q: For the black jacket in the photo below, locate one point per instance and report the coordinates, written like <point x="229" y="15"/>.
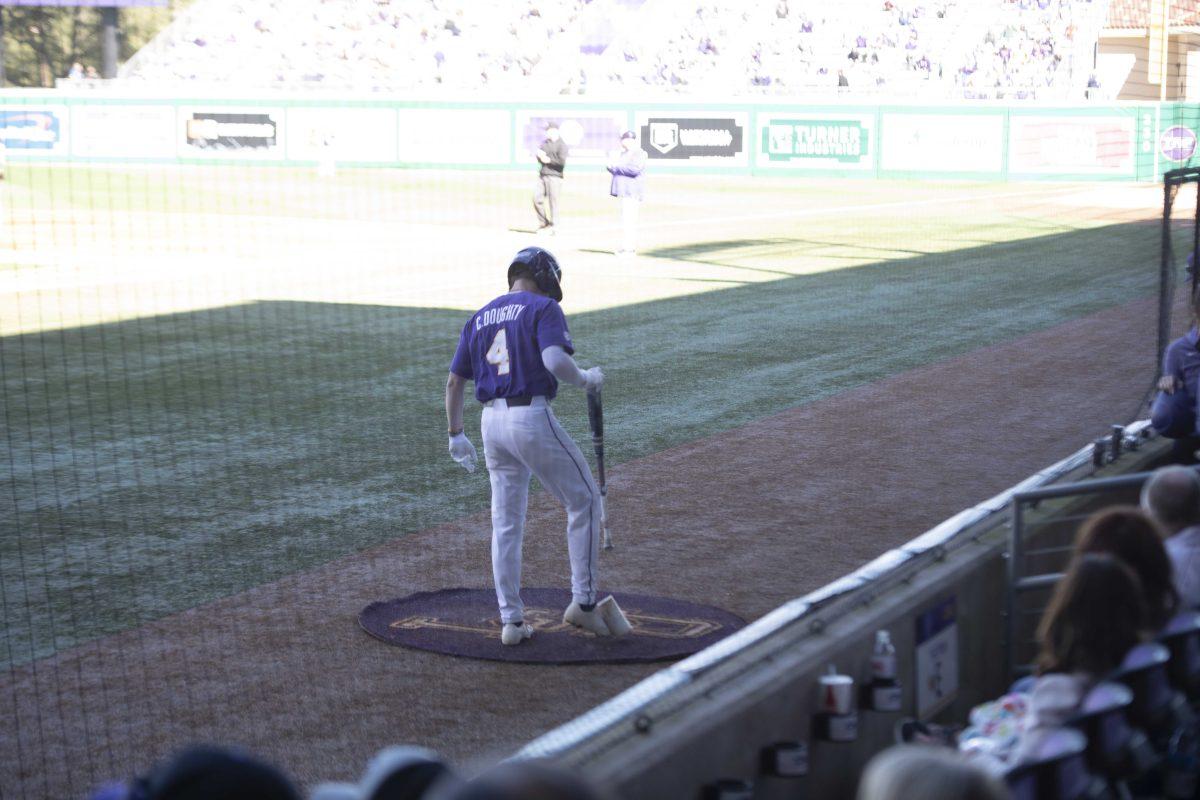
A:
<point x="558" y="158"/>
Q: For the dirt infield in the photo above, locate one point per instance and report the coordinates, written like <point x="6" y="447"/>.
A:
<point x="744" y="520"/>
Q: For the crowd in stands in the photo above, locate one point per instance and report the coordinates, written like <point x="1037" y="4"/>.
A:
<point x="930" y="48"/>
<point x="1024" y="51"/>
<point x="366" y="44"/>
<point x="1002" y="48"/>
<point x="1130" y="582"/>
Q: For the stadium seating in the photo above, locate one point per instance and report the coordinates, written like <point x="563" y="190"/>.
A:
<point x="364" y="44"/>
<point x="1116" y="750"/>
<point x="1010" y="49"/>
<point x="1182" y="638"/>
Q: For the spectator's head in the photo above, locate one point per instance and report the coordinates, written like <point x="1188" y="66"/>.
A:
<point x="405" y="773"/>
<point x="1094" y="617"/>
<point x="628" y="140"/>
<point x="931" y="773"/>
<point x="552" y="131"/>
<point x="1172" y="497"/>
<point x="1129" y="534"/>
<point x="396" y="773"/>
<point x="202" y="773"/>
<point x="527" y="780"/>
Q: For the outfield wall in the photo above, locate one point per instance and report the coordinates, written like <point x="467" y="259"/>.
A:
<point x="977" y="141"/>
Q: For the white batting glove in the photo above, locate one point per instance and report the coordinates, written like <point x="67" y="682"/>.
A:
<point x="593" y="379"/>
<point x="462" y="451"/>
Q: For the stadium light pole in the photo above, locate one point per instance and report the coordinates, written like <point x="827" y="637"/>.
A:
<point x="108" y="20"/>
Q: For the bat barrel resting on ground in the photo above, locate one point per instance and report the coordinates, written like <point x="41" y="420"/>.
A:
<point x="596" y="421"/>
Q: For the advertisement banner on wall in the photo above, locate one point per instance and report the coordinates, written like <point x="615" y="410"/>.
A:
<point x="453" y="135"/>
<point x="936" y="668"/>
<point x="698" y="137"/>
<point x="342" y="133"/>
<point x="34" y="129"/>
<point x="123" y="131"/>
<point x="1177" y="143"/>
<point x="1077" y="145"/>
<point x="942" y="142"/>
<point x="232" y="132"/>
<point x="816" y="141"/>
<point x="591" y="136"/>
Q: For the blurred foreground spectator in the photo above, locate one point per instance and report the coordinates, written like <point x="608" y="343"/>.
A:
<point x="396" y="773"/>
<point x="208" y="773"/>
<point x="930" y="773"/>
<point x="527" y="780"/>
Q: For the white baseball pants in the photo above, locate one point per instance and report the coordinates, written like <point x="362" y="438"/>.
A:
<point x="629" y="217"/>
<point x="527" y="440"/>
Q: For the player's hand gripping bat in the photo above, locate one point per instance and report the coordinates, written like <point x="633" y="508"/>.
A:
<point x="596" y="421"/>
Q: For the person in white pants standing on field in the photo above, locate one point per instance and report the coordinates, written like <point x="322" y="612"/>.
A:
<point x="628" y="186"/>
<point x="516" y="349"/>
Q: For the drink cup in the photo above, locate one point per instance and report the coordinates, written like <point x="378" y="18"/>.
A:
<point x="836" y="694"/>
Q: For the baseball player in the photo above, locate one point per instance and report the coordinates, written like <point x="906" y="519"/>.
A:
<point x="516" y="349"/>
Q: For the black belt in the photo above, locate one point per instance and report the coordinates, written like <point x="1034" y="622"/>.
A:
<point x="520" y="400"/>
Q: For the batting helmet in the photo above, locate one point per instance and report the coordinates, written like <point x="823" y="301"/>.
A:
<point x="541" y="266"/>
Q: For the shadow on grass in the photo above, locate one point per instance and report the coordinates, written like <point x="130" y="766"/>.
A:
<point x="160" y="463"/>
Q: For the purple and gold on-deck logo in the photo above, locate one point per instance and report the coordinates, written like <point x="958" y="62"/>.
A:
<point x="545" y="620"/>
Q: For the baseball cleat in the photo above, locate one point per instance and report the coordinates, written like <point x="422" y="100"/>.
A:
<point x="588" y="620"/>
<point x="515" y="634"/>
<point x="613" y="616"/>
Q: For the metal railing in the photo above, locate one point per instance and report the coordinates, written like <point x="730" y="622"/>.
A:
<point x="1020" y="583"/>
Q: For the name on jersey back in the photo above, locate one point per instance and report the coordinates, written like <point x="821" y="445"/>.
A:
<point x="495" y="316"/>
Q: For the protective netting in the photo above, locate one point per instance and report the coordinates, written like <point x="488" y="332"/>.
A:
<point x="223" y="364"/>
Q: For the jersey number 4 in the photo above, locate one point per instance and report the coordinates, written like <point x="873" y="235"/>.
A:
<point x="498" y="353"/>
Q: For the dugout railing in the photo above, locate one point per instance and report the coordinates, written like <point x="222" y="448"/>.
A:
<point x="1039" y="549"/>
<point x="708" y="717"/>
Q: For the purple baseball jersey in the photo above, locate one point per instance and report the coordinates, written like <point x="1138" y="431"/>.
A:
<point x="501" y="346"/>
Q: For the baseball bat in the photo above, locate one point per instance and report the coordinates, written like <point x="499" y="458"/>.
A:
<point x="596" y="421"/>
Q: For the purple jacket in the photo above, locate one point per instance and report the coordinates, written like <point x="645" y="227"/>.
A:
<point x="627" y="172"/>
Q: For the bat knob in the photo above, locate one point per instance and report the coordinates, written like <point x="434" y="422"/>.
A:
<point x="608" y="546"/>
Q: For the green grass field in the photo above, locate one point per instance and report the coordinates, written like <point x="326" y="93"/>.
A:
<point x="216" y="377"/>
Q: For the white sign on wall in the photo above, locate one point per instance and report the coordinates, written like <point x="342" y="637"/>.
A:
<point x="453" y="135"/>
<point x="942" y="142"/>
<point x="1089" y="145"/>
<point x="344" y="133"/>
<point x="123" y="131"/>
<point x="937" y="657"/>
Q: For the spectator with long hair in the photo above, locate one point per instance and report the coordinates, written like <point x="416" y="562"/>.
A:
<point x="1128" y="533"/>
<point x="1095" y="616"/>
